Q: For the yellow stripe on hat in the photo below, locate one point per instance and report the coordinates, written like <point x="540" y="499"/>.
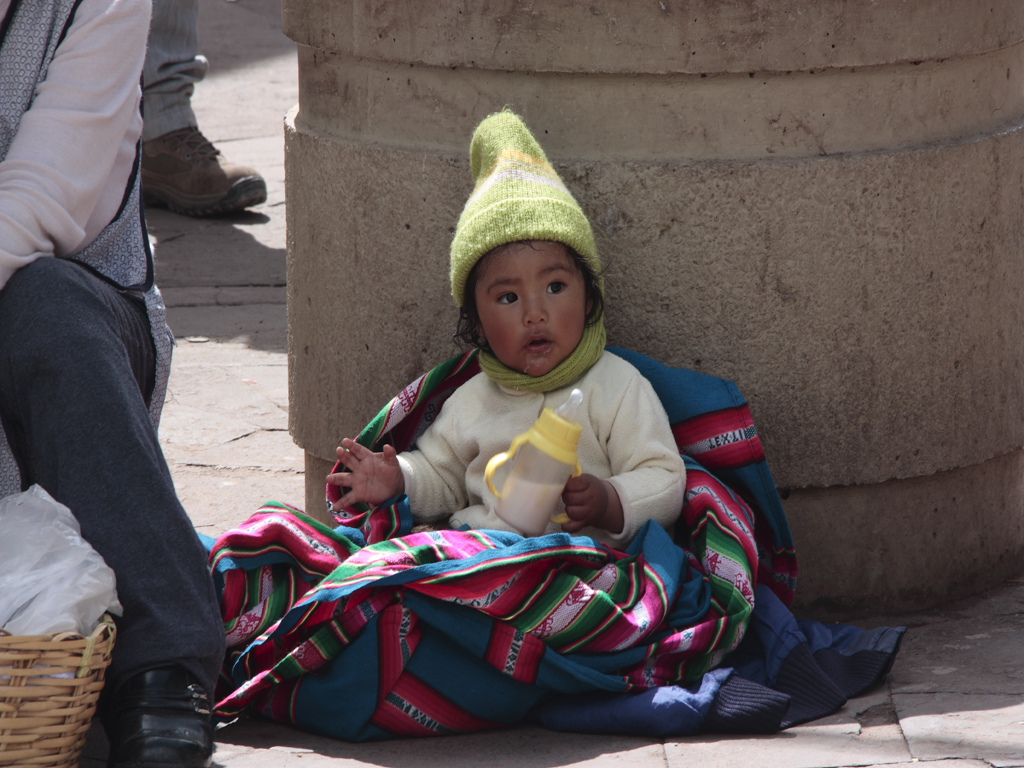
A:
<point x="515" y="173"/>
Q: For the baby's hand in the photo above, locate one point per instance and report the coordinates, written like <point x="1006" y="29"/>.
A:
<point x="372" y="477"/>
<point x="592" y="501"/>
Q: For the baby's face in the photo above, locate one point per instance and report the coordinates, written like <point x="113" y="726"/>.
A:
<point x="532" y="305"/>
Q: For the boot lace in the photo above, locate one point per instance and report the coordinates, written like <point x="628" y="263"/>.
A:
<point x="196" y="145"/>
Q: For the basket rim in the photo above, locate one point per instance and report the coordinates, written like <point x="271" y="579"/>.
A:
<point x="106" y="623"/>
<point x="91" y="653"/>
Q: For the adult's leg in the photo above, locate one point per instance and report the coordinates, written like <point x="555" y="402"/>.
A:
<point x="173" y="67"/>
<point x="76" y="361"/>
<point x="181" y="169"/>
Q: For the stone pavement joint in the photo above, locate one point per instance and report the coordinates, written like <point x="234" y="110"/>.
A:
<point x="954" y="699"/>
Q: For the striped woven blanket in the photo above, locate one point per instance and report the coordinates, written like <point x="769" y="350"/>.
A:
<point x="371" y="630"/>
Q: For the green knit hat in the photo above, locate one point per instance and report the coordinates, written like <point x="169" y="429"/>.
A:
<point x="518" y="196"/>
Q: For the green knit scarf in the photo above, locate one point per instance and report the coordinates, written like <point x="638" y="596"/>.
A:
<point x="569" y="370"/>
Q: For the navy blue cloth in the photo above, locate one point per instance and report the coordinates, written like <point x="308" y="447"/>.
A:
<point x="666" y="711"/>
<point x="786" y="671"/>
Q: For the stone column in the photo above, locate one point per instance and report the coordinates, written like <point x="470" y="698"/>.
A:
<point x="821" y="201"/>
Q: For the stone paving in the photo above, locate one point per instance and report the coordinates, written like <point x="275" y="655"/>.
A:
<point x="955" y="697"/>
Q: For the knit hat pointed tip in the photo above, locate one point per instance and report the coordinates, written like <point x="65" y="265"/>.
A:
<point x="497" y="133"/>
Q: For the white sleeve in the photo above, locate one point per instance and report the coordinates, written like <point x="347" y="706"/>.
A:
<point x="435" y="472"/>
<point x="648" y="472"/>
<point x="59" y="164"/>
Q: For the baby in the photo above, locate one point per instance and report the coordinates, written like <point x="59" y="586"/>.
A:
<point x="526" y="276"/>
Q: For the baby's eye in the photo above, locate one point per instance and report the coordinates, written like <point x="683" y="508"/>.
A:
<point x="556" y="287"/>
<point x="507" y="298"/>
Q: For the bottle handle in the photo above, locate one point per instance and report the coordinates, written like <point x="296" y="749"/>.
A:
<point x="562" y="518"/>
<point x="498" y="459"/>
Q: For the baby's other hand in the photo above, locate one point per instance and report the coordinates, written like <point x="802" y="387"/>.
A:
<point x="589" y="500"/>
<point x="371" y="477"/>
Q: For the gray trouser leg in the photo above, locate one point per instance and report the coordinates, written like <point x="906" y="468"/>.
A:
<point x="76" y="362"/>
<point x="173" y="66"/>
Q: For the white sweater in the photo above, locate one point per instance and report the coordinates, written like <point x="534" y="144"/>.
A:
<point x="626" y="439"/>
<point x="64" y="176"/>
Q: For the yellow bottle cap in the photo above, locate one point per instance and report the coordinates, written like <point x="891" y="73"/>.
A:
<point x="555" y="436"/>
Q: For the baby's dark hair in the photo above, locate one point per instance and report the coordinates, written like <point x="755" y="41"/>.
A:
<point x="467" y="330"/>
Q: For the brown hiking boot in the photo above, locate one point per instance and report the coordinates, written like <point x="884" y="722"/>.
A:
<point x="183" y="171"/>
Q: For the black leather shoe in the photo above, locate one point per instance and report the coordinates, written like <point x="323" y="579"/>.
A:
<point x="161" y="718"/>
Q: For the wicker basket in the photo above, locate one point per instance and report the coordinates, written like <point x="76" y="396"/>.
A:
<point x="49" y="686"/>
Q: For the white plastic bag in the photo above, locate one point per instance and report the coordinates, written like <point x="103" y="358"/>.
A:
<point x="51" y="579"/>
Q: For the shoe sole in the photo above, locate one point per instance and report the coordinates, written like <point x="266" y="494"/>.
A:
<point x="246" y="192"/>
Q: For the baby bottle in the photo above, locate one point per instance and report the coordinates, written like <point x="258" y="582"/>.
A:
<point x="544" y="459"/>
